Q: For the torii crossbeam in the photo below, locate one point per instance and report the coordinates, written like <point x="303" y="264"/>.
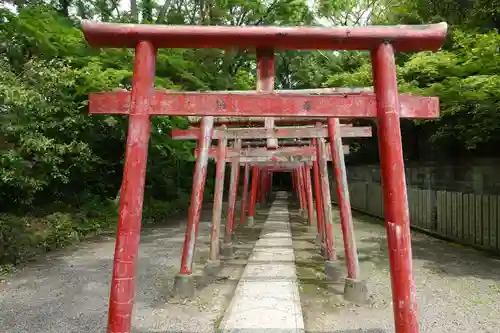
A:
<point x="385" y="105"/>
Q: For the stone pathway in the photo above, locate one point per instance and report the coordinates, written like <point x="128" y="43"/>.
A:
<point x="267" y="296"/>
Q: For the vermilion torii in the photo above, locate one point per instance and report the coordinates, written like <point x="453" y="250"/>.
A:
<point x="272" y="133"/>
<point x="287" y="156"/>
<point x="385" y="104"/>
<point x="278" y="153"/>
<point x="281" y="155"/>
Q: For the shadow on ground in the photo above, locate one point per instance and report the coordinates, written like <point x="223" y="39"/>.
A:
<point x="438" y="256"/>
<point x="68" y="290"/>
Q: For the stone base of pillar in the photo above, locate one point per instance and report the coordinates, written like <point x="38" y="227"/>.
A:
<point x="333" y="270"/>
<point x="356" y="291"/>
<point x="212" y="267"/>
<point x="227" y="250"/>
<point x="184" y="286"/>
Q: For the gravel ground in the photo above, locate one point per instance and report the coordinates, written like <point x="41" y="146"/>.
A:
<point x="458" y="289"/>
<point x="68" y="290"/>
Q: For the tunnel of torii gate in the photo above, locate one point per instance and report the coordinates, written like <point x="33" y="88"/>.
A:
<point x="296" y="159"/>
<point x="266" y="106"/>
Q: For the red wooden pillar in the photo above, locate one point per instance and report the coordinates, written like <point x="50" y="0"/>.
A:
<point x="394" y="189"/>
<point x="297" y="184"/>
<point x="265" y="82"/>
<point x="351" y="252"/>
<point x="121" y="300"/>
<point x="184" y="282"/>
<point x="310" y="209"/>
<point x="327" y="207"/>
<point x="303" y="201"/>
<point x="262" y="186"/>
<point x="318" y="195"/>
<point x="244" y="196"/>
<point x="332" y="266"/>
<point x="231" y="207"/>
<point x="220" y="171"/>
<point x="303" y="190"/>
<point x="253" y="196"/>
<point x="299" y="189"/>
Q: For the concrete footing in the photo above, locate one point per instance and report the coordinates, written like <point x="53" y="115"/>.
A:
<point x="227" y="249"/>
<point x="356" y="291"/>
<point x="212" y="267"/>
<point x="333" y="270"/>
<point x="250" y="221"/>
<point x="322" y="250"/>
<point x="184" y="286"/>
<point x="318" y="241"/>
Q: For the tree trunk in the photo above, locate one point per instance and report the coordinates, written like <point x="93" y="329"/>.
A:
<point x="133" y="11"/>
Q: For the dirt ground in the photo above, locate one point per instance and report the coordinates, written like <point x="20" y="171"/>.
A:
<point x="68" y="290"/>
<point x="458" y="288"/>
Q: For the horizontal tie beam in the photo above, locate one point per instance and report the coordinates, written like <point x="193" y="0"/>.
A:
<point x="274" y="133"/>
<point x="165" y="103"/>
<point x="248" y="155"/>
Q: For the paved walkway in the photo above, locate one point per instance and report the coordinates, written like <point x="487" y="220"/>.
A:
<point x="458" y="289"/>
<point x="267" y="296"/>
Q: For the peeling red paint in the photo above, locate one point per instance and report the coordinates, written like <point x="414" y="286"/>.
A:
<point x="317" y="194"/>
<point x="310" y="209"/>
<point x="220" y="170"/>
<point x="233" y="193"/>
<point x="252" y="121"/>
<point x="327" y="206"/>
<point x="199" y="178"/>
<point x="265" y="82"/>
<point x="121" y="300"/>
<point x="300" y="187"/>
<point x="267" y="104"/>
<point x="351" y="252"/>
<point x="404" y="37"/>
<point x="276" y="133"/>
<point x="287" y="154"/>
<point x="253" y="192"/>
<point x="244" y="196"/>
<point x="394" y="190"/>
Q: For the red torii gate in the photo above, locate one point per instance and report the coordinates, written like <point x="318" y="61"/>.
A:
<point x="355" y="288"/>
<point x="385" y="105"/>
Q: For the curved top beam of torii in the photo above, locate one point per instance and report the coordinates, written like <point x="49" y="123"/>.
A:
<point x="402" y="37"/>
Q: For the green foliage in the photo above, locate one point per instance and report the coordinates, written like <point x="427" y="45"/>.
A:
<point x="54" y="158"/>
<point x="478" y="15"/>
<point x="23" y="238"/>
<point x="466" y="80"/>
<point x="61" y="169"/>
